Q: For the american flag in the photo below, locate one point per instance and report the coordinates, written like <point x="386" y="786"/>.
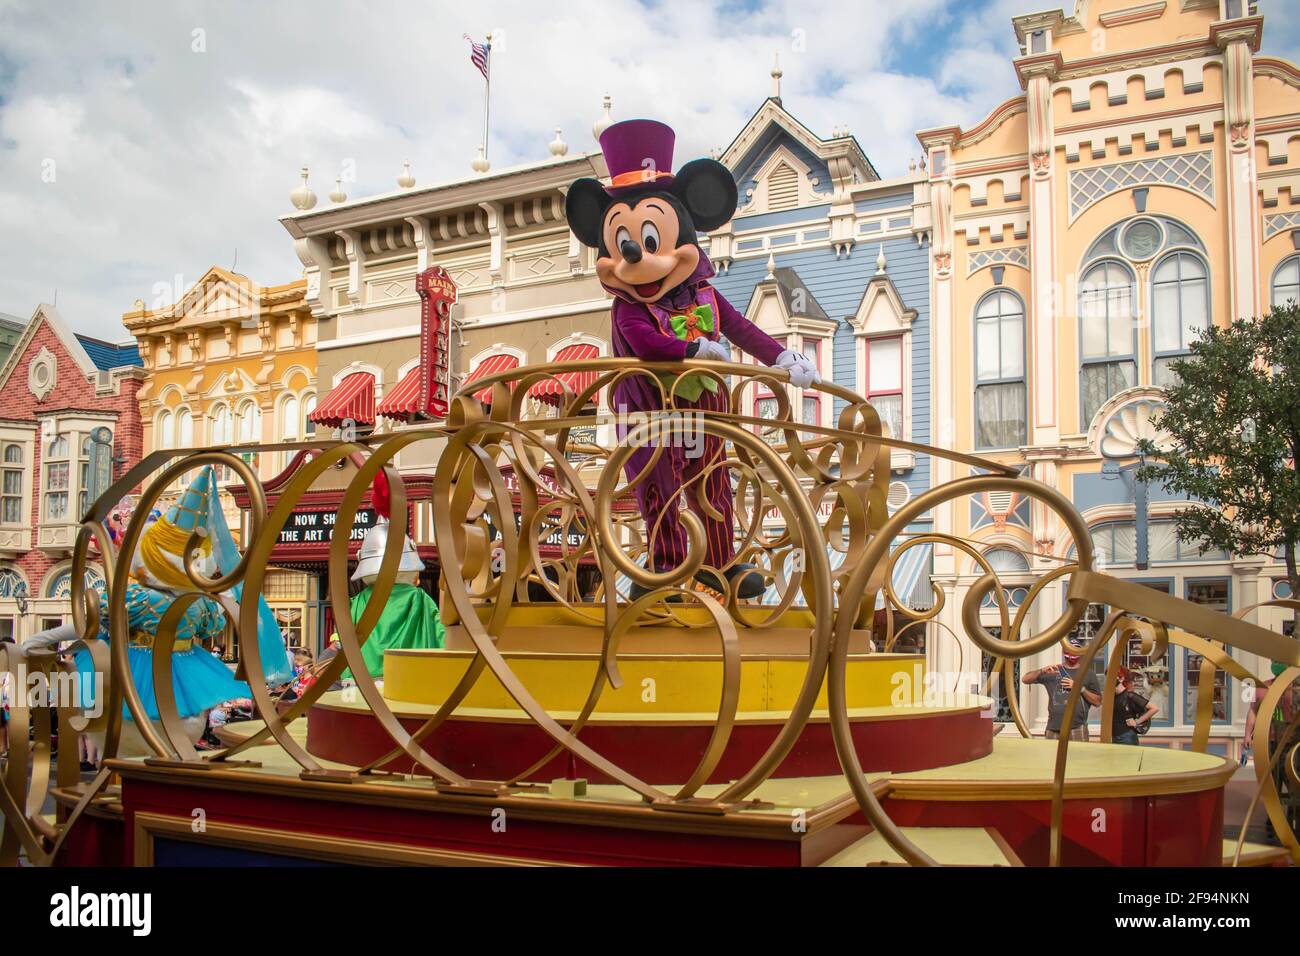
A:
<point x="478" y="55"/>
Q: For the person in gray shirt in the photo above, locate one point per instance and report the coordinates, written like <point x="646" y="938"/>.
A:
<point x="1058" y="680"/>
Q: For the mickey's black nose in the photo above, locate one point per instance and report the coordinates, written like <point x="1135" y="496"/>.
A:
<point x="631" y="251"/>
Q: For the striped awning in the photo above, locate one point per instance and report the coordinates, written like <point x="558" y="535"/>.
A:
<point x="490" y="366"/>
<point x="404" y="400"/>
<point x="351" y="400"/>
<point x="907" y="582"/>
<point x="911" y="579"/>
<point x="551" y="390"/>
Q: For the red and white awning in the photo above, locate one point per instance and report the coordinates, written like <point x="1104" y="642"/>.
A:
<point x="403" y="401"/>
<point x="490" y="366"/>
<point x="351" y="400"/>
<point x="551" y="390"/>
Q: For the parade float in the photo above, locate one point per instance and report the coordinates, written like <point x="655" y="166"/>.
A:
<point x="682" y="727"/>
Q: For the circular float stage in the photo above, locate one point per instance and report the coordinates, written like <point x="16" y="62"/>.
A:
<point x="658" y="722"/>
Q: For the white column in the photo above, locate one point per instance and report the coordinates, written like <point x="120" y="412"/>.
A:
<point x="1239" y="169"/>
<point x="1044" y="386"/>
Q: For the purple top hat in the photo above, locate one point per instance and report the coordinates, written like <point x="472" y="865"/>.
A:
<point x="639" y="153"/>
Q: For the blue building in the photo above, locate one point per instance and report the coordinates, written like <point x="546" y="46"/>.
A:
<point x="832" y="260"/>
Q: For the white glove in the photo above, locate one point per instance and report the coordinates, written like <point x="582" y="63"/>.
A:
<point x="709" y="349"/>
<point x="802" y="371"/>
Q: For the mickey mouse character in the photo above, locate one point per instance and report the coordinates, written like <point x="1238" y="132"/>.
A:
<point x="643" y="226"/>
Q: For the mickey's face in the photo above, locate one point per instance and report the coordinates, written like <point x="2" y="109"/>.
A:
<point x="643" y="250"/>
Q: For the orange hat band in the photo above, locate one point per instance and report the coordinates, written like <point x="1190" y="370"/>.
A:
<point x="636" y="176"/>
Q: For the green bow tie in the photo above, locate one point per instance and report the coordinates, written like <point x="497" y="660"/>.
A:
<point x="700" y="317"/>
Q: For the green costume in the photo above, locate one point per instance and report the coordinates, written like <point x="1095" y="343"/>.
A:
<point x="410" y="619"/>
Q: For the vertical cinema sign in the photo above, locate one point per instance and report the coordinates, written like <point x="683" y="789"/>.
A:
<point x="437" y="296"/>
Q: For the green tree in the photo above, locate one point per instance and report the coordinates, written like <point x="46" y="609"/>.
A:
<point x="1234" y="420"/>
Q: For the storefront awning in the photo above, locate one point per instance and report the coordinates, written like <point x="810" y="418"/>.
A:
<point x="551" y="390"/>
<point x="404" y="400"/>
<point x="490" y="366"/>
<point x="351" y="400"/>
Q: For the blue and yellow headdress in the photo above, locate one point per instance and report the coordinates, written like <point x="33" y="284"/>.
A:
<point x="158" y="562"/>
<point x="158" y="559"/>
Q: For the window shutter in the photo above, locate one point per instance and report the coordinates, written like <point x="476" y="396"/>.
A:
<point x="782" y="188"/>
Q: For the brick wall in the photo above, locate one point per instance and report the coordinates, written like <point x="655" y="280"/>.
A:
<point x="72" y="391"/>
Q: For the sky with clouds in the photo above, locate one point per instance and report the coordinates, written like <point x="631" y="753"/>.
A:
<point x="143" y="141"/>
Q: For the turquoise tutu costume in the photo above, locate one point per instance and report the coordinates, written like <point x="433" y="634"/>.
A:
<point x="200" y="680"/>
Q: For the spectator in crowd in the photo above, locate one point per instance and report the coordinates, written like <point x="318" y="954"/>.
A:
<point x="4" y="709"/>
<point x="1282" y="715"/>
<point x="1130" y="712"/>
<point x="1058" y="680"/>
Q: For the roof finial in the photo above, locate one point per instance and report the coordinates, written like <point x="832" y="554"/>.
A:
<point x="771" y="265"/>
<point x="406" y="180"/>
<point x="605" y="121"/>
<point x="558" y="146"/>
<point x="337" y="195"/>
<point x="880" y="261"/>
<point x="302" y="197"/>
<point x="480" y="162"/>
<point x="776" y="76"/>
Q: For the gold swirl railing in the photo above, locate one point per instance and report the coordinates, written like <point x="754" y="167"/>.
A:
<point x="495" y="548"/>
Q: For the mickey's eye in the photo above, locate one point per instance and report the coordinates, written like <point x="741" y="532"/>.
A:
<point x="649" y="237"/>
<point x="621" y="237"/>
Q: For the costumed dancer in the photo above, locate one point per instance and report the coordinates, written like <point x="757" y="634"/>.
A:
<point x="200" y="680"/>
<point x="643" y="226"/>
<point x="410" y="618"/>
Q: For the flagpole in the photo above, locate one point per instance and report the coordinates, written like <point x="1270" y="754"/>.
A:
<point x="487" y="92"/>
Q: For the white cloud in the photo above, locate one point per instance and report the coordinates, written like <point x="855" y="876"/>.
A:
<point x="168" y="159"/>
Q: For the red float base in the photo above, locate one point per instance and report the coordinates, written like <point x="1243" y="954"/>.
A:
<point x="655" y="751"/>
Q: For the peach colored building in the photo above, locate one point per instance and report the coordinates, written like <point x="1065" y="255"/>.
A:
<point x="1140" y="185"/>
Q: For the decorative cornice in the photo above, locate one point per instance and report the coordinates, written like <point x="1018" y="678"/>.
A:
<point x="1048" y="65"/>
<point x="1147" y="11"/>
<point x="1247" y="29"/>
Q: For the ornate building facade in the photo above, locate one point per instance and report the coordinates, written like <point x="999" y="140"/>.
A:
<point x="71" y="425"/>
<point x="1138" y="188"/>
<point x="232" y="362"/>
<point x="832" y="260"/>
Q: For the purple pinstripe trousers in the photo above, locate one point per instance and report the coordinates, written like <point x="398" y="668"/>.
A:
<point x="679" y="470"/>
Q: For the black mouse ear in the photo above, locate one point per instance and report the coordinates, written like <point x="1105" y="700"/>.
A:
<point x="584" y="207"/>
<point x="708" y="191"/>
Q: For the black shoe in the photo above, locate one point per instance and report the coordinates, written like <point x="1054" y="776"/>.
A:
<point x="751" y="584"/>
<point x="638" y="592"/>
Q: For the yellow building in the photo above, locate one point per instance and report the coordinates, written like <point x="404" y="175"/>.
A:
<point x="1140" y="186"/>
<point x="232" y="362"/>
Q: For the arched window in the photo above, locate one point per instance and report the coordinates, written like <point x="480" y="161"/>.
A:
<point x="1000" y="419"/>
<point x="1286" y="282"/>
<point x="11" y="583"/>
<point x="308" y="406"/>
<point x="184" y="428"/>
<point x="1107" y="335"/>
<point x="221" y="433"/>
<point x="1180" y="310"/>
<point x="1006" y="561"/>
<point x="290" y="418"/>
<point x="250" y="430"/>
<point x="60" y="585"/>
<point x="164" y="436"/>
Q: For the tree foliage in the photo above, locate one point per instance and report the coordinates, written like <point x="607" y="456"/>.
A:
<point x="1234" y="419"/>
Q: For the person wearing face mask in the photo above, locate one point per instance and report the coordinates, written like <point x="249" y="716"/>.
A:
<point x="1058" y="680"/>
<point x="1132" y="712"/>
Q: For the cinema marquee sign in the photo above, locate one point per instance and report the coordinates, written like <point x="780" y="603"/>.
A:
<point x="317" y="527"/>
<point x="437" y="296"/>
